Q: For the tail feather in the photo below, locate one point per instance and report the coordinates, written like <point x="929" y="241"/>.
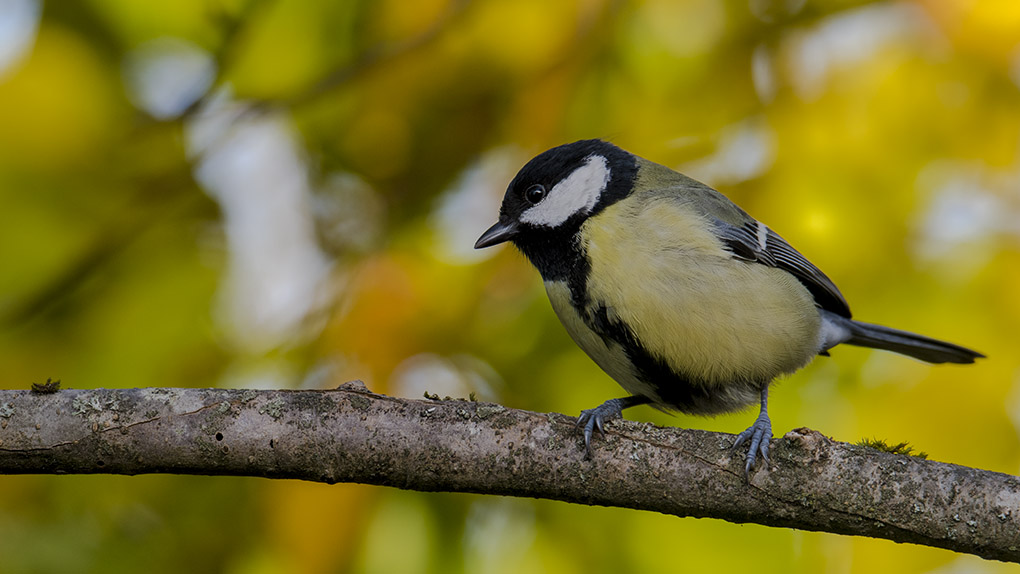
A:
<point x="903" y="342"/>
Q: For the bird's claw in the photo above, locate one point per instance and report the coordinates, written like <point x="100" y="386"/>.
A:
<point x="759" y="434"/>
<point x="592" y="420"/>
<point x="596" y="418"/>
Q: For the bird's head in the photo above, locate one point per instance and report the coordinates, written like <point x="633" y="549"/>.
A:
<point x="555" y="192"/>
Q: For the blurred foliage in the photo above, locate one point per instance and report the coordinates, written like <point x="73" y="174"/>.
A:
<point x="285" y="194"/>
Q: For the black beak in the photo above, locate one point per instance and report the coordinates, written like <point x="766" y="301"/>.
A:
<point x="497" y="234"/>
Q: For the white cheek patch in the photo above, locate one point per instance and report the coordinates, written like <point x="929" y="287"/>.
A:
<point x="579" y="192"/>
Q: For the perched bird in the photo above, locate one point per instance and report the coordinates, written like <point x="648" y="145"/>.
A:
<point x="684" y="299"/>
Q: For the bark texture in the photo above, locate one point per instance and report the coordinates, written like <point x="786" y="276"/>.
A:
<point x="352" y="435"/>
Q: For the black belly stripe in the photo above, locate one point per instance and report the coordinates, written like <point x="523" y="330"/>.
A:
<point x="675" y="390"/>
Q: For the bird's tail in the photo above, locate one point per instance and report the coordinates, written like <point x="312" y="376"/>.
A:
<point x="903" y="342"/>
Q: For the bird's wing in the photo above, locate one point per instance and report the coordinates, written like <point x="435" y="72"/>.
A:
<point x="753" y="241"/>
<point x="745" y="237"/>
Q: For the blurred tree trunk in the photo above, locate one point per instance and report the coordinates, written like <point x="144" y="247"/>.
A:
<point x="352" y="435"/>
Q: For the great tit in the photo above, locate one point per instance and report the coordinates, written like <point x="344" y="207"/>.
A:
<point x="688" y="302"/>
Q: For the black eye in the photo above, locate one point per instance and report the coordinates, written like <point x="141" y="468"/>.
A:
<point x="534" y="194"/>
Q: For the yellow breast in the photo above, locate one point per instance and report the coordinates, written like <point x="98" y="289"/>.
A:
<point x="660" y="270"/>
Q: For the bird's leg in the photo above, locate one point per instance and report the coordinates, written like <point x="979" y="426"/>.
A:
<point x="759" y="433"/>
<point x="592" y="419"/>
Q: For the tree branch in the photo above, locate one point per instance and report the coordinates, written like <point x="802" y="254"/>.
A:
<point x="352" y="435"/>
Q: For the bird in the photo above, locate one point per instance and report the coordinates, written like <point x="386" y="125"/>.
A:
<point x="679" y="295"/>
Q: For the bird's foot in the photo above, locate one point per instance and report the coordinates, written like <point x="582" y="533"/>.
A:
<point x="759" y="435"/>
<point x="594" y="419"/>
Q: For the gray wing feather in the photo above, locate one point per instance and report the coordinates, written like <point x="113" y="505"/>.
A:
<point x="740" y="234"/>
<point x="746" y="243"/>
